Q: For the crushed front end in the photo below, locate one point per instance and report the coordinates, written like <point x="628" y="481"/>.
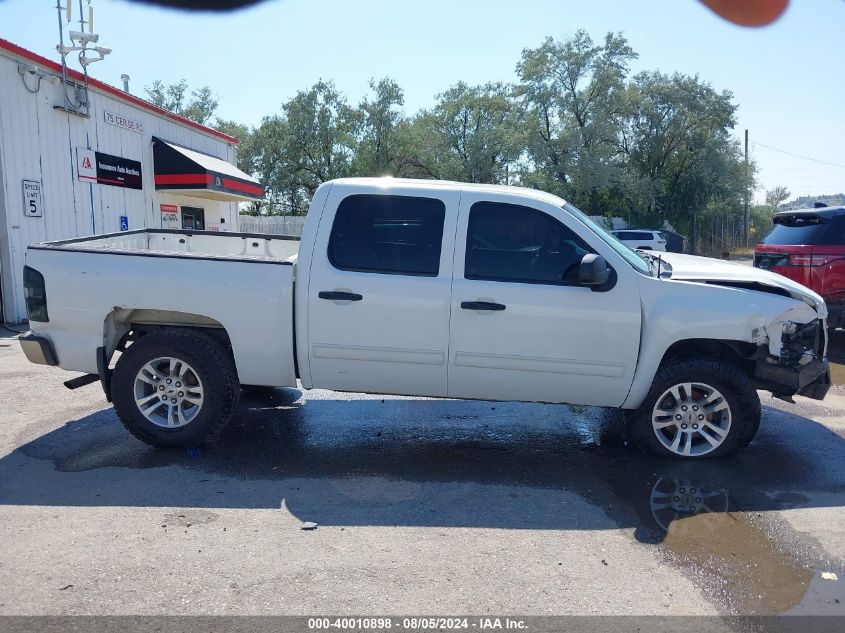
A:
<point x="794" y="361"/>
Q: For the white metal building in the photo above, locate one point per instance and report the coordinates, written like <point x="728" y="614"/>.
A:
<point x="117" y="163"/>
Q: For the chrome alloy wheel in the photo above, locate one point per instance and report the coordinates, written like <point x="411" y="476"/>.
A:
<point x="691" y="419"/>
<point x="168" y="392"/>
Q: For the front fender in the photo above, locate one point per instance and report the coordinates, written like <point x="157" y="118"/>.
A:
<point x="675" y="311"/>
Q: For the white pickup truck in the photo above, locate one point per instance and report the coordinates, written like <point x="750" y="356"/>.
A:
<point x="425" y="288"/>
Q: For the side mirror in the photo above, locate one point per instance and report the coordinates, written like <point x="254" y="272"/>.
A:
<point x="593" y="270"/>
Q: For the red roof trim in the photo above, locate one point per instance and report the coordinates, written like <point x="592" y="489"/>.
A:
<point x="183" y="179"/>
<point x="104" y="87"/>
<point x="246" y="187"/>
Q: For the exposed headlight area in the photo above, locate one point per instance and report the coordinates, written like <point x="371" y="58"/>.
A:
<point x="801" y="342"/>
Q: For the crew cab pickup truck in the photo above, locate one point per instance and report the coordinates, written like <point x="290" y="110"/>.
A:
<point x="425" y="288"/>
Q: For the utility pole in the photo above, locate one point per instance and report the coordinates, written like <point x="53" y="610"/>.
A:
<point x="694" y="230"/>
<point x="745" y="215"/>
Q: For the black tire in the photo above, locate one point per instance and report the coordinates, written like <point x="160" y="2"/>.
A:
<point x="213" y="365"/>
<point x="731" y="381"/>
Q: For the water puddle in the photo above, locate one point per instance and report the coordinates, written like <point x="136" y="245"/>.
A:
<point x="734" y="557"/>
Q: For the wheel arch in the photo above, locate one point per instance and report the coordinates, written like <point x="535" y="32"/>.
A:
<point x="123" y="326"/>
<point x="735" y="352"/>
<point x="739" y="353"/>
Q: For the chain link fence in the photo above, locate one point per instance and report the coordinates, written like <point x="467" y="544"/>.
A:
<point x="722" y="237"/>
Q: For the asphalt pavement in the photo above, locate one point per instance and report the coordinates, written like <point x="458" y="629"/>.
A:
<point x="421" y="506"/>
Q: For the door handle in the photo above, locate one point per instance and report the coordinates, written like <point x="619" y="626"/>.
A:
<point x="336" y="295"/>
<point x="482" y="305"/>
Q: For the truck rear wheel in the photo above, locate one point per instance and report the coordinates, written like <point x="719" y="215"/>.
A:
<point x="175" y="387"/>
<point x="697" y="408"/>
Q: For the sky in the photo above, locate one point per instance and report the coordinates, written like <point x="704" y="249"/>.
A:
<point x="786" y="78"/>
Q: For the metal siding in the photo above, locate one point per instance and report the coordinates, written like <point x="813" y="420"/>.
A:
<point x="39" y="142"/>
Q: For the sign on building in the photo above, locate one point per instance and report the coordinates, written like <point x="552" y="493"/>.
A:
<point x="106" y="169"/>
<point x="123" y="122"/>
<point x="169" y="216"/>
<point x="32" y="199"/>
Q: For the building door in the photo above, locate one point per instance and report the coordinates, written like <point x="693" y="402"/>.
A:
<point x="193" y="219"/>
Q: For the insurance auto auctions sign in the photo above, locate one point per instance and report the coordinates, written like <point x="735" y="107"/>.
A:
<point x="106" y="169"/>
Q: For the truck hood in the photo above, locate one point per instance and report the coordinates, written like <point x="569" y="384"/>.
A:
<point x="717" y="271"/>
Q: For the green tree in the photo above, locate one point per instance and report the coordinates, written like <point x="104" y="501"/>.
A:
<point x="777" y="196"/>
<point x="760" y="216"/>
<point x="246" y="142"/>
<point x="311" y="141"/>
<point x="680" y="151"/>
<point x="472" y="134"/>
<point x="573" y="93"/>
<point x="381" y="119"/>
<point x="173" y="97"/>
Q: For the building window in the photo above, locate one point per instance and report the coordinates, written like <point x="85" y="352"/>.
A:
<point x="193" y="219"/>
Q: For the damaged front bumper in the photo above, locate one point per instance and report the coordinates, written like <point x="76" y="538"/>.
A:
<point x="801" y="367"/>
<point x="811" y="380"/>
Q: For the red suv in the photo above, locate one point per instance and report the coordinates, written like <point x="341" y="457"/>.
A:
<point x="808" y="246"/>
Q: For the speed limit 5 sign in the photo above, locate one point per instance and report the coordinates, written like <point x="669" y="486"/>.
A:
<point x="32" y="199"/>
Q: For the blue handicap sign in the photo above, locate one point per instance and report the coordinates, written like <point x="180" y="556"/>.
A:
<point x="124" y="223"/>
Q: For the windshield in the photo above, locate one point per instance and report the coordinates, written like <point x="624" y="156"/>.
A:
<point x="637" y="262"/>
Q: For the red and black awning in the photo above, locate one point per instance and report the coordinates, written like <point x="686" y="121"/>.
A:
<point x="186" y="171"/>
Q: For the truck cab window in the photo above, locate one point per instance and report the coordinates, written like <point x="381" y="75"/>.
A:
<point x="388" y="234"/>
<point x="508" y="242"/>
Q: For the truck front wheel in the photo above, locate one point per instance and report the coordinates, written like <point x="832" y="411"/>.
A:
<point x="697" y="408"/>
<point x="175" y="387"/>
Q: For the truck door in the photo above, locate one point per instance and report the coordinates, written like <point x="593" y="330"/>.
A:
<point x="379" y="291"/>
<point x="519" y="331"/>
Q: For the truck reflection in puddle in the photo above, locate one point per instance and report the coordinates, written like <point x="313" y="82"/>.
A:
<point x="732" y="555"/>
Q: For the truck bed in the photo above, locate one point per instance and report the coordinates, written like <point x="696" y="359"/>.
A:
<point x="104" y="285"/>
<point x="201" y="244"/>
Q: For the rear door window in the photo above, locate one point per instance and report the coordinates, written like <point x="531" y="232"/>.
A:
<point x="400" y="235"/>
<point x="507" y="242"/>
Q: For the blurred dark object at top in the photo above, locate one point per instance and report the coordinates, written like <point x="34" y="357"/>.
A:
<point x="203" y="5"/>
<point x="742" y="12"/>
